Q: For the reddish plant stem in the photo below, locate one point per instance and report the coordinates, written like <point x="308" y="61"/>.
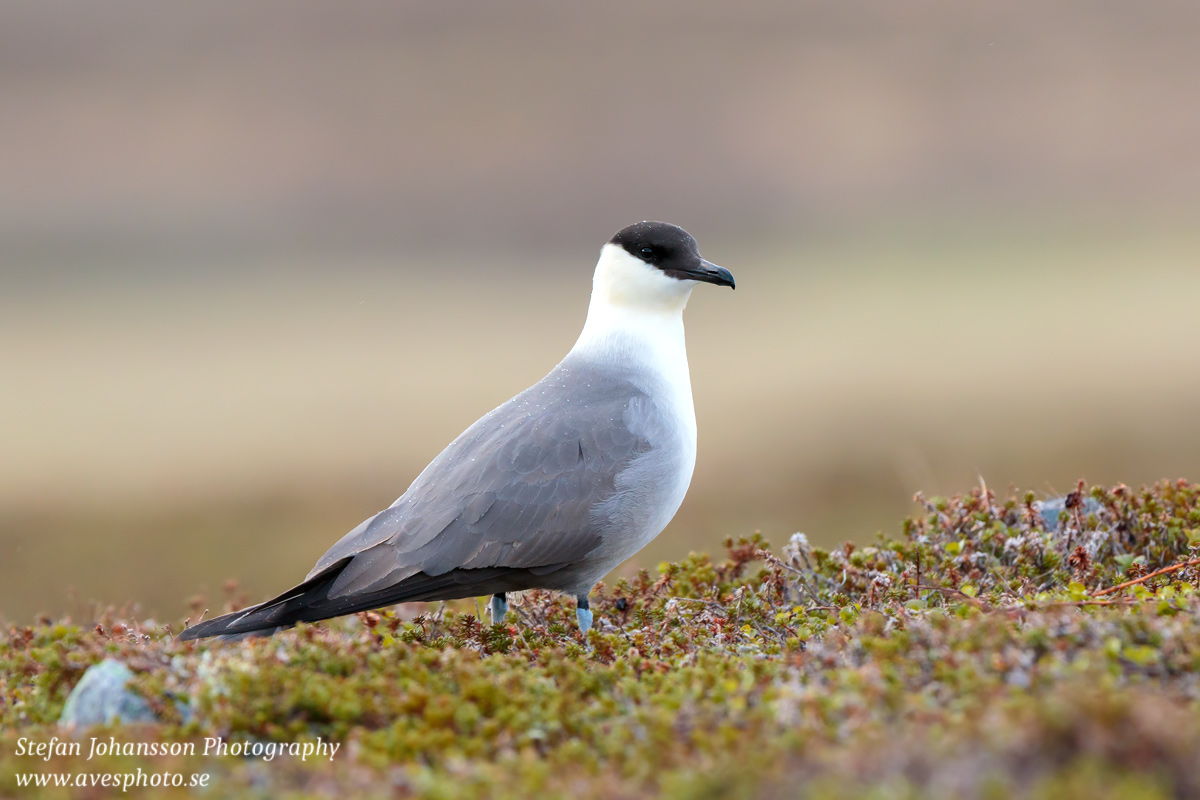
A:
<point x="1174" y="567"/>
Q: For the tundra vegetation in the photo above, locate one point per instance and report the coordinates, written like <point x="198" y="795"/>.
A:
<point x="990" y="650"/>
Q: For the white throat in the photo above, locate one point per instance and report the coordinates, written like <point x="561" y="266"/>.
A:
<point x="635" y="326"/>
<point x="635" y="315"/>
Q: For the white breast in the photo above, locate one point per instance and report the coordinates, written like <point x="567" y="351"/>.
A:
<point x="635" y="326"/>
<point x="635" y="323"/>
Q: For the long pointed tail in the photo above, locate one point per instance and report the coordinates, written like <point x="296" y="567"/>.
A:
<point x="295" y="605"/>
<point x="310" y="601"/>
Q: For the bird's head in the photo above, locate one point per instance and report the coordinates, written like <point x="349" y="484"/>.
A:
<point x="653" y="266"/>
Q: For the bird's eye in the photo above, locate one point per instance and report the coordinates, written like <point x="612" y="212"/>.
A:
<point x="647" y="251"/>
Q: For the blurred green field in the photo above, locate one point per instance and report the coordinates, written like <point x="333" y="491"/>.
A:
<point x="160" y="438"/>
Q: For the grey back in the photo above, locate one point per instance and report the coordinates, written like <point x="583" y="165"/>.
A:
<point x="522" y="488"/>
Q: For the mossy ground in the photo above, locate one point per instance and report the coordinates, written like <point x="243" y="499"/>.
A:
<point x="982" y="654"/>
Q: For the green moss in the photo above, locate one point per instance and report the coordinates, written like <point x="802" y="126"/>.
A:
<point x="970" y="657"/>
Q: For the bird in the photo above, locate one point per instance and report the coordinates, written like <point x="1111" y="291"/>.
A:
<point x="553" y="488"/>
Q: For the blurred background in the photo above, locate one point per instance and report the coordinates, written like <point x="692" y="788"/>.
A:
<point x="260" y="262"/>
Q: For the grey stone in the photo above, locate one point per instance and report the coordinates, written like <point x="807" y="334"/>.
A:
<point x="102" y="697"/>
<point x="1051" y="508"/>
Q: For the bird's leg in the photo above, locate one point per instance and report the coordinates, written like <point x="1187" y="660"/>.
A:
<point x="583" y="614"/>
<point x="499" y="608"/>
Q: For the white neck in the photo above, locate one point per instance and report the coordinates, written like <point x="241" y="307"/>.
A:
<point x="635" y="317"/>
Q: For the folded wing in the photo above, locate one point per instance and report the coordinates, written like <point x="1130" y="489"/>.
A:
<point x="519" y="489"/>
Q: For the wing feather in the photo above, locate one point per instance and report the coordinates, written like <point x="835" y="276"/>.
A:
<point x="522" y="489"/>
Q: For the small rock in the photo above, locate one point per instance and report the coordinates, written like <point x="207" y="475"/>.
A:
<point x="1051" y="508"/>
<point x="102" y="696"/>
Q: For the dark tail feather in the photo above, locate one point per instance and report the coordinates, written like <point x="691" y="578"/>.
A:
<point x="310" y="601"/>
<point x="266" y="618"/>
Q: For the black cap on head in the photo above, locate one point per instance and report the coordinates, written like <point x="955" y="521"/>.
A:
<point x="671" y="249"/>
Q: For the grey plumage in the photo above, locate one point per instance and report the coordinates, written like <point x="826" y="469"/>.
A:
<point x="521" y="499"/>
<point x="552" y="489"/>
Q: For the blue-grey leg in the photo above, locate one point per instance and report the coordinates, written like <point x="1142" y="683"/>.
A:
<point x="583" y="613"/>
<point x="499" y="608"/>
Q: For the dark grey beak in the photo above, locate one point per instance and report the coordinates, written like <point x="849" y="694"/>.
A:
<point x="708" y="272"/>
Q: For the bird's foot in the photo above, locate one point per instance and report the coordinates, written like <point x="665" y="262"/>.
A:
<point x="583" y="614"/>
<point x="499" y="608"/>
